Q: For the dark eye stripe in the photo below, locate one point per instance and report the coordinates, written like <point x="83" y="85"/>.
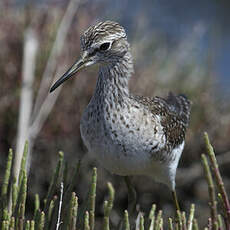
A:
<point x="103" y="47"/>
<point x="94" y="52"/>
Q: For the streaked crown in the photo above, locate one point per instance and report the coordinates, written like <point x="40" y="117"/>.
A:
<point x="107" y="30"/>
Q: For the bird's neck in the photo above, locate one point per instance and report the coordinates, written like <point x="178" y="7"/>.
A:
<point x="113" y="79"/>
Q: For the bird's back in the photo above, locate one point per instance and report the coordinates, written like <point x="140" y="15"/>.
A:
<point x="174" y="112"/>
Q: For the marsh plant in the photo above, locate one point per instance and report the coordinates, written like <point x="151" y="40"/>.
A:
<point x="61" y="210"/>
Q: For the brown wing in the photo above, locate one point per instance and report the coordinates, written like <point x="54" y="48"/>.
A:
<point x="174" y="112"/>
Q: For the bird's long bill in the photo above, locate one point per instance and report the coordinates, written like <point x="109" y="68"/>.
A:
<point x="72" y="70"/>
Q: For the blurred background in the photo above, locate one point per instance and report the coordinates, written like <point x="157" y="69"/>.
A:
<point x="180" y="46"/>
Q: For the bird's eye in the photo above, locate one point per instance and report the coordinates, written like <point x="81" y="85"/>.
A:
<point x="105" y="46"/>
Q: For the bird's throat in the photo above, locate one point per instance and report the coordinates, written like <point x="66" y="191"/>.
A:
<point x="112" y="82"/>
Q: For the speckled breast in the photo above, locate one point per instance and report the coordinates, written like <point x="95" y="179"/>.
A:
<point x="124" y="142"/>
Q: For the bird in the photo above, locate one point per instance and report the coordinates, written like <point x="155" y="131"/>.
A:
<point x="128" y="134"/>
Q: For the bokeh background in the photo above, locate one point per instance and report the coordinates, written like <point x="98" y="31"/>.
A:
<point x="180" y="46"/>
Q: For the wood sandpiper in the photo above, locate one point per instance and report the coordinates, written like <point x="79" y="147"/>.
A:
<point x="129" y="135"/>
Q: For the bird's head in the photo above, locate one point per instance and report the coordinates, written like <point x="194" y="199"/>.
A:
<point x="104" y="43"/>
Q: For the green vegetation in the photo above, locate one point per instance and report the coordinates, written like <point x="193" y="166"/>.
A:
<point x="61" y="210"/>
